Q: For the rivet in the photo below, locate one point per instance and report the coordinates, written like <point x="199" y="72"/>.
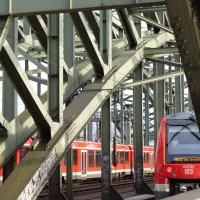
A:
<point x="193" y="79"/>
<point x="179" y="18"/>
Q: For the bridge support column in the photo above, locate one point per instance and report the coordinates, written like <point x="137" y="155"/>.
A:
<point x="122" y="117"/>
<point x="147" y="115"/>
<point x="89" y="129"/>
<point x="69" y="57"/>
<point x="9" y="96"/>
<point x="69" y="193"/>
<point x="170" y="89"/>
<point x="55" y="185"/>
<point x="138" y="132"/>
<point x="159" y="95"/>
<point x="55" y="94"/>
<point x="106" y="151"/>
<point x="178" y="92"/>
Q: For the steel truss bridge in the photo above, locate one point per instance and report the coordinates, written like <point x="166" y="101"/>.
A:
<point x="136" y="60"/>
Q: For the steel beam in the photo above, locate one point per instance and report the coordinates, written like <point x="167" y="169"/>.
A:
<point x="27" y="7"/>
<point x="26" y="27"/>
<point x="158" y="52"/>
<point x="9" y="97"/>
<point x="138" y="132"/>
<point x="94" y="24"/>
<point x="160" y="99"/>
<point x="37" y="79"/>
<point x="106" y="167"/>
<point x="122" y="116"/>
<point x="24" y="89"/>
<point x="175" y="64"/>
<point x="5" y="26"/>
<point x="69" y="58"/>
<point x="129" y="27"/>
<point x="39" y="30"/>
<point x="153" y="79"/>
<point x="147" y="116"/>
<point x="69" y="189"/>
<point x="155" y="106"/>
<point x="55" y="93"/>
<point x="89" y="127"/>
<point x="185" y="22"/>
<point x="55" y="71"/>
<point x="106" y="37"/>
<point x="24" y="121"/>
<point x="89" y="44"/>
<point x="55" y="184"/>
<point x="149" y="9"/>
<point x="86" y="104"/>
<point x="31" y="59"/>
<point x="190" y="106"/>
<point x="153" y="23"/>
<point x="178" y="94"/>
<point x="170" y="89"/>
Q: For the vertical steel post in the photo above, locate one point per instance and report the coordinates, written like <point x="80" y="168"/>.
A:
<point x="55" y="92"/>
<point x="182" y="94"/>
<point x="190" y="106"/>
<point x="178" y="99"/>
<point x="147" y="116"/>
<point x="106" y="52"/>
<point x="138" y="131"/>
<point x="69" y="55"/>
<point x="170" y="88"/>
<point x="26" y="27"/>
<point x="159" y="97"/>
<point x="122" y="117"/>
<point x="106" y="151"/>
<point x="89" y="127"/>
<point x="155" y="105"/>
<point x="9" y="96"/>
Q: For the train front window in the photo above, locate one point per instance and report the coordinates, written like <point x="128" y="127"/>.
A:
<point x="183" y="143"/>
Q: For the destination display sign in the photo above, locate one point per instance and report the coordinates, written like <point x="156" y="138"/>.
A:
<point x="187" y="159"/>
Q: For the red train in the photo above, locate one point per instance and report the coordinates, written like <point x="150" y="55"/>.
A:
<point x="87" y="160"/>
<point x="177" y="163"/>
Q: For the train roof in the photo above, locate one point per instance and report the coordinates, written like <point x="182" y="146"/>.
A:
<point x="184" y="115"/>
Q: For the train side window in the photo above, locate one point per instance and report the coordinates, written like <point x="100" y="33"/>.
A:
<point x="91" y="158"/>
<point x="98" y="158"/>
<point x="126" y="157"/>
<point x="121" y="157"/>
<point x="75" y="157"/>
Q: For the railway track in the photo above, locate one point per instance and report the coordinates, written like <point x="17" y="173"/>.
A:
<point x="91" y="188"/>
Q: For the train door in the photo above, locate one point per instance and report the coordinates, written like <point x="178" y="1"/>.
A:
<point x="83" y="163"/>
<point x="151" y="161"/>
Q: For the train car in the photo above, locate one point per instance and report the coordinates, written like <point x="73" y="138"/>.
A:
<point x="177" y="163"/>
<point x="87" y="160"/>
